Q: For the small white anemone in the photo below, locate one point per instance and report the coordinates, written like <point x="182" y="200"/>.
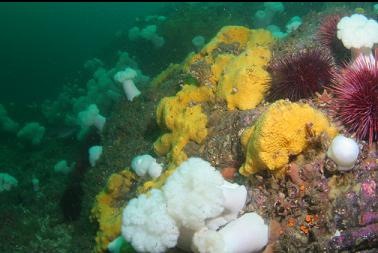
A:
<point x="276" y="31"/>
<point x="62" y="167"/>
<point x="95" y="153"/>
<point x="146" y="164"/>
<point x="134" y="33"/>
<point x="32" y="132"/>
<point x="274" y="6"/>
<point x="157" y="41"/>
<point x="91" y="117"/>
<point x="261" y="19"/>
<point x="293" y="24"/>
<point x="127" y="77"/>
<point x="344" y="152"/>
<point x="7" y="182"/>
<point x="6" y="123"/>
<point x="264" y="17"/>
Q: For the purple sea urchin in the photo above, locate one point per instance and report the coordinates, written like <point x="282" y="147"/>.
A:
<point x="300" y="75"/>
<point x="356" y="96"/>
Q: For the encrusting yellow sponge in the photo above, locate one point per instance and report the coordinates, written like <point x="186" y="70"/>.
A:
<point x="245" y="80"/>
<point x="183" y="117"/>
<point x="280" y="132"/>
<point x="107" y="210"/>
<point x="237" y="35"/>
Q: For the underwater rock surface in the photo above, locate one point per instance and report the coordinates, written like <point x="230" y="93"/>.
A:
<point x="215" y="104"/>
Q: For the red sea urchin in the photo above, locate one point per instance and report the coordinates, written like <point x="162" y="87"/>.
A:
<point x="327" y="37"/>
<point x="300" y="75"/>
<point x="327" y="31"/>
<point x="356" y="97"/>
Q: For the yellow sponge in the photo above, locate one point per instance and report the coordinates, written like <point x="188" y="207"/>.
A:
<point x="280" y="132"/>
<point x="245" y="80"/>
<point x="236" y="35"/>
<point x="107" y="210"/>
<point x="183" y="117"/>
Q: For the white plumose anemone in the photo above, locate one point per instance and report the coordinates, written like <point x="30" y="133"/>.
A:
<point x="246" y="234"/>
<point x="147" y="225"/>
<point x="127" y="77"/>
<point x="359" y="34"/>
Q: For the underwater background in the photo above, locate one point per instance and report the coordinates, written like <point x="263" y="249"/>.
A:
<point x="100" y="103"/>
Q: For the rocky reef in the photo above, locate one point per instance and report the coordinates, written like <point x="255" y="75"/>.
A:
<point x="278" y="149"/>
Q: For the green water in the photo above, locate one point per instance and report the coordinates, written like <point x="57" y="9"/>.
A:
<point x="45" y="44"/>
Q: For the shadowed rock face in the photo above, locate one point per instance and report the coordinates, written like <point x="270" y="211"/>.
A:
<point x="222" y="147"/>
<point x="71" y="201"/>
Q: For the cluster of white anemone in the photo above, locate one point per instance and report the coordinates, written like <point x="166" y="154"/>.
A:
<point x="188" y="212"/>
<point x="359" y="34"/>
<point x="148" y="33"/>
